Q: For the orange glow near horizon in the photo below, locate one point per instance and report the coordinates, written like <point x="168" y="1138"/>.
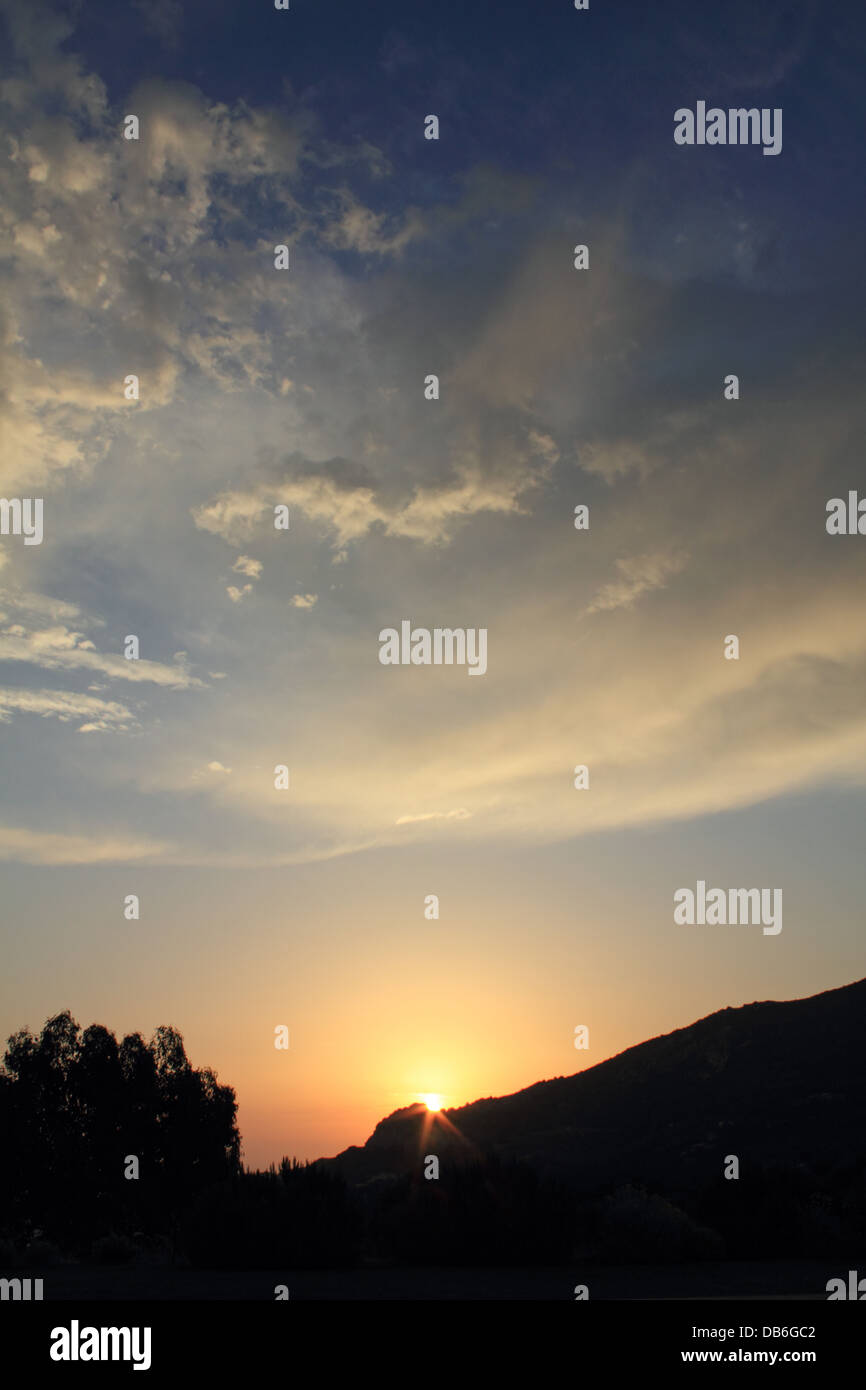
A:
<point x="379" y="1017"/>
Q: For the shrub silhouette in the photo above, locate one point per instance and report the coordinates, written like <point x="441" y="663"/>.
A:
<point x="485" y="1212"/>
<point x="300" y="1216"/>
<point x="788" y="1210"/>
<point x="643" y="1227"/>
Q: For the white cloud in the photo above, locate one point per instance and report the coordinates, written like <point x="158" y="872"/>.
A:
<point x="100" y="716"/>
<point x="60" y="648"/>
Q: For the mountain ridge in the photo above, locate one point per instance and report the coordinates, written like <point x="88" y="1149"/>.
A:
<point x="772" y="1081"/>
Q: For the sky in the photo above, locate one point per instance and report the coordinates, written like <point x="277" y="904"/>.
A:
<point x="305" y="387"/>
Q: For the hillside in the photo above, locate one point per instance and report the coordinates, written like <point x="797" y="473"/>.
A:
<point x="769" y="1082"/>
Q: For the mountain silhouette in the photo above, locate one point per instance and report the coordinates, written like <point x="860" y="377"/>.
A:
<point x="771" y="1082"/>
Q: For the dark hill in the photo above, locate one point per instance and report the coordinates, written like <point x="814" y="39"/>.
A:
<point x="774" y="1083"/>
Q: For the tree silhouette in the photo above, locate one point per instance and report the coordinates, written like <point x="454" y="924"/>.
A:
<point x="74" y="1105"/>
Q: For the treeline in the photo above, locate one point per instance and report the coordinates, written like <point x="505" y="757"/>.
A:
<point x="76" y="1106"/>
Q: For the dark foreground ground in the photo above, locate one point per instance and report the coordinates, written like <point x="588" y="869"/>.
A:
<point x="794" y="1279"/>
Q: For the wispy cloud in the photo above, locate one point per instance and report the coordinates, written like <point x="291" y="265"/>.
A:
<point x="60" y="648"/>
<point x="640" y="574"/>
<point x="40" y="847"/>
<point x="99" y="716"/>
<point x="461" y="814"/>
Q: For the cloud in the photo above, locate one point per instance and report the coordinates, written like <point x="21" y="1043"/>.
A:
<point x="146" y="237"/>
<point x="640" y="574"/>
<point x="100" y="716"/>
<point x="669" y="729"/>
<point x="358" y="228"/>
<point x="346" y="500"/>
<point x="244" y="565"/>
<point x="42" y="847"/>
<point x="156" y="258"/>
<point x="544" y="446"/>
<point x="60" y="648"/>
<point x="37" y="30"/>
<point x="616" y="456"/>
<point x="24" y="604"/>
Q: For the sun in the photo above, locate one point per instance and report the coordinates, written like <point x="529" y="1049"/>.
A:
<point x="432" y="1100"/>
